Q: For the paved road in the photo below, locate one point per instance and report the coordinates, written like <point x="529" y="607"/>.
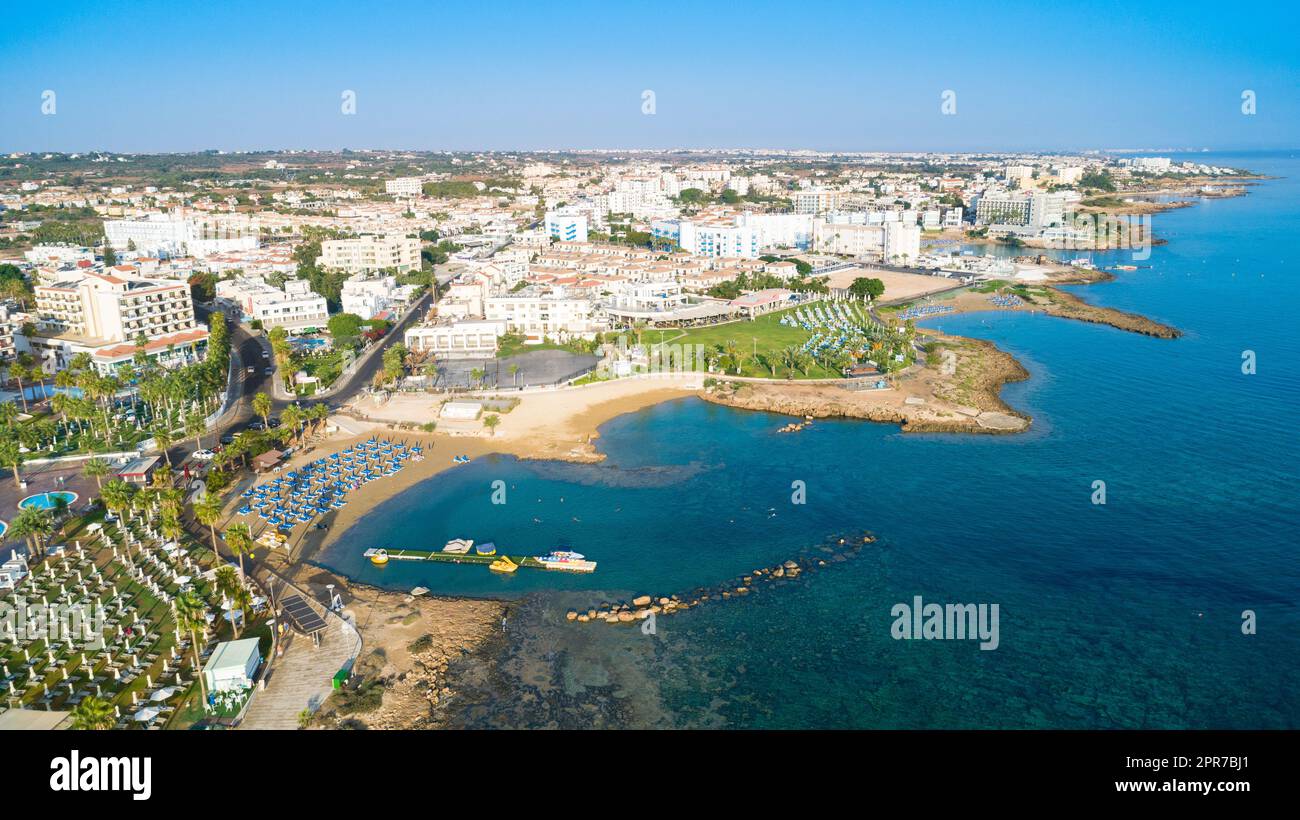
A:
<point x="254" y="350"/>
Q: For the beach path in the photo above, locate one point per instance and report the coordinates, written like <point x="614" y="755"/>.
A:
<point x="302" y="678"/>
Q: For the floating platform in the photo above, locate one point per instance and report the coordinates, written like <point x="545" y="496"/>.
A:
<point x="526" y="561"/>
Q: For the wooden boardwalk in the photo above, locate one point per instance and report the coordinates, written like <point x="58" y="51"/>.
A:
<point x="303" y="677"/>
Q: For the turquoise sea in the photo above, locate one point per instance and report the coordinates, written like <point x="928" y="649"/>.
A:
<point x="1122" y="615"/>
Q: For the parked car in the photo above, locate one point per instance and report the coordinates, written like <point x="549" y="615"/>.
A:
<point x="273" y="423"/>
<point x="265" y="355"/>
<point x="203" y="455"/>
<point x="268" y="372"/>
<point x="252" y="370"/>
<point x="256" y="425"/>
<point x="227" y="438"/>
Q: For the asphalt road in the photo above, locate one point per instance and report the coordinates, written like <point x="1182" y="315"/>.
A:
<point x="254" y="350"/>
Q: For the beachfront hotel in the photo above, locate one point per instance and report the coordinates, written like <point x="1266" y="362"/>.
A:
<point x="103" y="314"/>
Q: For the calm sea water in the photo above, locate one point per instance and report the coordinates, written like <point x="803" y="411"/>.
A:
<point x="1126" y="614"/>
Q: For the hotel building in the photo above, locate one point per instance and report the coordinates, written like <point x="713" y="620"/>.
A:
<point x="104" y="313"/>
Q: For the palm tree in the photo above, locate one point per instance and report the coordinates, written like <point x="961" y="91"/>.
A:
<point x="477" y="375"/>
<point x="491" y="421"/>
<point x="790" y="359"/>
<point x="731" y="351"/>
<point x="514" y="373"/>
<point x="93" y="714"/>
<point x="207" y="510"/>
<point x="117" y="495"/>
<point x="320" y="413"/>
<point x="21" y="369"/>
<point x="191" y="616"/>
<point x="196" y="425"/>
<point x="240" y="540"/>
<point x="262" y="407"/>
<point x="242" y="600"/>
<point x="33" y="526"/>
<point x="162" y="437"/>
<point x="96" y="468"/>
<point x="171" y="526"/>
<point x="291" y="418"/>
<point x="11" y="455"/>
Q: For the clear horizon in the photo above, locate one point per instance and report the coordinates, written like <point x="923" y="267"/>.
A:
<point x="181" y="77"/>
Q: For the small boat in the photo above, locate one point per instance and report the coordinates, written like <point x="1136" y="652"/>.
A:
<point x="561" y="556"/>
<point x="380" y="557"/>
<point x="503" y="564"/>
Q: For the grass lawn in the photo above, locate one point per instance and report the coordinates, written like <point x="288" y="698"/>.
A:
<point x="512" y="344"/>
<point x="766" y="333"/>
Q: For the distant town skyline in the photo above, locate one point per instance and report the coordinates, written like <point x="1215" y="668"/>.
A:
<point x="1003" y="76"/>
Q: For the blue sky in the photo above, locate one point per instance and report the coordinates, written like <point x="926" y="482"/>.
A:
<point x="180" y="76"/>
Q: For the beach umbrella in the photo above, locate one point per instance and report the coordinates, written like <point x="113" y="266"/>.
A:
<point x="147" y="714"/>
<point x="162" y="694"/>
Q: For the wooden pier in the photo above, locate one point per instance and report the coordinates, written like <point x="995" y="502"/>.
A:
<point x="529" y="561"/>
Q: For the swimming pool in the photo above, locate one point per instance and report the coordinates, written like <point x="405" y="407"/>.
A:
<point x="4" y="527"/>
<point x="46" y="501"/>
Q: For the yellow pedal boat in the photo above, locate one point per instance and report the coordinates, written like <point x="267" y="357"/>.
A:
<point x="503" y="564"/>
<point x="379" y="558"/>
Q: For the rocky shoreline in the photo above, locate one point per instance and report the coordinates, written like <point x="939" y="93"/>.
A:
<point x="1068" y="306"/>
<point x="644" y="607"/>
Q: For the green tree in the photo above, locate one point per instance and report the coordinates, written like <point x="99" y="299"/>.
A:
<point x="96" y="468"/>
<point x="262" y="407"/>
<point x="207" y="511"/>
<point x="118" y="496"/>
<point x="11" y="455"/>
<point x="491" y="421"/>
<point x="192" y="617"/>
<point x="240" y="540"/>
<point x="867" y="288"/>
<point x="93" y="714"/>
<point x="33" y="526"/>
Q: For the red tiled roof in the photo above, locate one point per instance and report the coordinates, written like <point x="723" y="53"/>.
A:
<point x="118" y="351"/>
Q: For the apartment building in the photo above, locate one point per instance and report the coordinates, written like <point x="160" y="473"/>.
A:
<point x="371" y="254"/>
<point x="404" y="186"/>
<point x="10" y="325"/>
<point x="460" y="339"/>
<point x="175" y="234"/>
<point x="542" y="312"/>
<point x="895" y="241"/>
<point x="816" y="201"/>
<point x="566" y="225"/>
<point x="369" y="296"/>
<point x="104" y="313"/>
<point x="296" y="306"/>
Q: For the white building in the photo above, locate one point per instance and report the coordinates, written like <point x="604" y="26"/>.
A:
<point x="369" y="296"/>
<point x="466" y="338"/>
<point x="744" y="235"/>
<point x="566" y="225"/>
<point x="232" y="665"/>
<point x="541" y="313"/>
<point x="815" y="201"/>
<point x="405" y="186"/>
<point x="371" y="254"/>
<point x="173" y="234"/>
<point x="294" y="307"/>
<point x="104" y="314"/>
